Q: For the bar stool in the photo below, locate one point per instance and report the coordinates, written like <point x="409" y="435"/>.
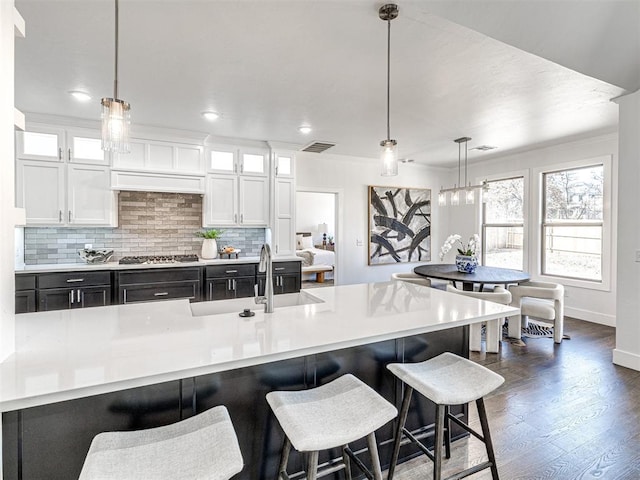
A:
<point x="332" y="415"/>
<point x="446" y="380"/>
<point x="202" y="446"/>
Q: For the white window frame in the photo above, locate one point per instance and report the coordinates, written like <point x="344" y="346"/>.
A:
<point x="538" y="243"/>
<point x="524" y="174"/>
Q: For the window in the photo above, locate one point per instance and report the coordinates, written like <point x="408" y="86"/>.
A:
<point x="503" y="224"/>
<point x="572" y="222"/>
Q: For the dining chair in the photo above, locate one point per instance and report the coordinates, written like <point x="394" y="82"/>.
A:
<point x="542" y="301"/>
<point x="493" y="327"/>
<point x="411" y="278"/>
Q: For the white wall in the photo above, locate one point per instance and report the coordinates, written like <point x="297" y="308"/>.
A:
<point x="313" y="208"/>
<point x="627" y="351"/>
<point x="7" y="201"/>
<point x="352" y="176"/>
<point x="589" y="304"/>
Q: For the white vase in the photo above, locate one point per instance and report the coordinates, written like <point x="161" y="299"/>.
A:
<point x="209" y="248"/>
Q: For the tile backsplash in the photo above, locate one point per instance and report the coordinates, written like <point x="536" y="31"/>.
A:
<point x="150" y="224"/>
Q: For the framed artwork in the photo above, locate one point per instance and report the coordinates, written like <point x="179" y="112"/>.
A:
<point x="399" y="225"/>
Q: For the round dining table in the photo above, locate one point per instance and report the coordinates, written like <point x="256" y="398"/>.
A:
<point x="483" y="275"/>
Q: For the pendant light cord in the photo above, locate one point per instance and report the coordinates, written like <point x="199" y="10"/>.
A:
<point x="388" y="76"/>
<point x="115" y="81"/>
<point x="465" y="162"/>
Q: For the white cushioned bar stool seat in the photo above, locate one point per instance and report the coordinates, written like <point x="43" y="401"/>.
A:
<point x="447" y="379"/>
<point x="204" y="446"/>
<point x="329" y="416"/>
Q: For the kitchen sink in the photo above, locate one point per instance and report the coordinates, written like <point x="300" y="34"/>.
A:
<point x="199" y="309"/>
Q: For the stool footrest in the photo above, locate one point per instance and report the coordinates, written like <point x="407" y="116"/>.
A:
<point x="470" y="471"/>
<point x="363" y="468"/>
<point x="460" y="423"/>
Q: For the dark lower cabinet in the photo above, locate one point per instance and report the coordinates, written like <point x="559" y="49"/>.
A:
<point x="159" y="284"/>
<point x="51" y="441"/>
<point x="60" y="291"/>
<point x="230" y="281"/>
<point x="25" y="293"/>
<point x="286" y="278"/>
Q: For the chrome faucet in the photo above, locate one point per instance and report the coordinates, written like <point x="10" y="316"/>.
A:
<point x="265" y="265"/>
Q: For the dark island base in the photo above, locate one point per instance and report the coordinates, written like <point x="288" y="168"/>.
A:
<point x="50" y="442"/>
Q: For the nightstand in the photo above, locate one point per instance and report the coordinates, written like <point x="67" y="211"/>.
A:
<point x="325" y="247"/>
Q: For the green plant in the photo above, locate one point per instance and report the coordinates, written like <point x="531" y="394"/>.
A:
<point x="211" y="233"/>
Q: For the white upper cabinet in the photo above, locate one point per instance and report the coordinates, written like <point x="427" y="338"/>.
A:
<point x="233" y="160"/>
<point x="40" y="143"/>
<point x="283" y="202"/>
<point x="85" y="146"/>
<point x="161" y="157"/>
<point x="90" y="200"/>
<point x="40" y="191"/>
<point x="284" y="164"/>
<point x="253" y="201"/>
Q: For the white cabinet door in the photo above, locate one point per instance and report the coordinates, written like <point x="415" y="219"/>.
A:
<point x="284" y="217"/>
<point x="221" y="201"/>
<point x="222" y="159"/>
<point x="85" y="146"/>
<point x="161" y="157"/>
<point x="90" y="198"/>
<point x="40" y="190"/>
<point x="284" y="164"/>
<point x="254" y="201"/>
<point x="188" y="159"/>
<point x="134" y="160"/>
<point x="254" y="162"/>
<point x="40" y="143"/>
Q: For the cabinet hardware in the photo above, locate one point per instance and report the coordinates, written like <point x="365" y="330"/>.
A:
<point x="124" y="295"/>
<point x="235" y="168"/>
<point x="69" y="216"/>
<point x="60" y="153"/>
<point x="210" y="292"/>
<point x="235" y="218"/>
<point x="72" y="300"/>
<point x="234" y="284"/>
<point x="81" y="298"/>
<point x="276" y="170"/>
<point x="242" y="218"/>
<point x="69" y="154"/>
<point x="242" y="167"/>
<point x="231" y="271"/>
<point x="75" y="280"/>
<point x="60" y="216"/>
<point x="277" y="269"/>
<point x="161" y="294"/>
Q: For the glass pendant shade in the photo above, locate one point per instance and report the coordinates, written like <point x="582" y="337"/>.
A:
<point x="455" y="198"/>
<point x="116" y="120"/>
<point x="389" y="158"/>
<point x="442" y="199"/>
<point x="470" y="196"/>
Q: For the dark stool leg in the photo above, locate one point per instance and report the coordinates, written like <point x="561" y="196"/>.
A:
<point x="375" y="458"/>
<point x="447" y="431"/>
<point x="347" y="463"/>
<point x="487" y="437"/>
<point x="439" y="439"/>
<point x="284" y="457"/>
<point x="312" y="465"/>
<point x="404" y="410"/>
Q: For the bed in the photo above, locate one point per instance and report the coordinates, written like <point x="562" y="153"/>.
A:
<point x="317" y="263"/>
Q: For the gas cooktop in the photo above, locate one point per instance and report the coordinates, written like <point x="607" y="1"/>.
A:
<point x="154" y="259"/>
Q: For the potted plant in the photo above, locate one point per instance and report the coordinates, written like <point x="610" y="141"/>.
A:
<point x="466" y="260"/>
<point x="209" y="244"/>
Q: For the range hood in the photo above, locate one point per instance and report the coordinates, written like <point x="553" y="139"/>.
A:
<point x="156" y="182"/>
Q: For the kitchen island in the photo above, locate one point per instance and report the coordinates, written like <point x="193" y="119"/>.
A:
<point x="78" y="372"/>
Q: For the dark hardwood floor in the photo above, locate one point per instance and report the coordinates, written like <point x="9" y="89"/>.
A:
<point x="564" y="412"/>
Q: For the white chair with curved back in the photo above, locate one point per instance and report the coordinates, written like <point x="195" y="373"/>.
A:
<point x="542" y="301"/>
<point x="494" y="327"/>
<point x="411" y="278"/>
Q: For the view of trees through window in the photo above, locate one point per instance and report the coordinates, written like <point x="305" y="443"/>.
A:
<point x="573" y="223"/>
<point x="503" y="224"/>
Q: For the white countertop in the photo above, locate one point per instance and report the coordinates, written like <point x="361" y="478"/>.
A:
<point x="69" y="354"/>
<point x="70" y="267"/>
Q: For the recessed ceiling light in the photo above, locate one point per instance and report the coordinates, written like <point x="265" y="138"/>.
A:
<point x="483" y="148"/>
<point x="211" y="116"/>
<point x="81" y="96"/>
<point x="305" y="129"/>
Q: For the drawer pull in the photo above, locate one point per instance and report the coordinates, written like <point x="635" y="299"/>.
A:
<point x="231" y="271"/>
<point x="75" y="280"/>
<point x="161" y="294"/>
<point x="279" y="268"/>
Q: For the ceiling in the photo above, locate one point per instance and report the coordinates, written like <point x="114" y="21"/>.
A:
<point x="269" y="66"/>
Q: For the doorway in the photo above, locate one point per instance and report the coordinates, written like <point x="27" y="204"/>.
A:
<point x="318" y="214"/>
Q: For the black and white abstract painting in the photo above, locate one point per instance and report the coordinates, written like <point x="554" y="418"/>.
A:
<point x="399" y="225"/>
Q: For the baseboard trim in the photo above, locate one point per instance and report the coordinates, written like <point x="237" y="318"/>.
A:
<point x="626" y="359"/>
<point x="590" y="316"/>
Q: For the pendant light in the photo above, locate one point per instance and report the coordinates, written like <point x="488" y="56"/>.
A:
<point x="389" y="152"/>
<point x="116" y="115"/>
<point x="466" y="189"/>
